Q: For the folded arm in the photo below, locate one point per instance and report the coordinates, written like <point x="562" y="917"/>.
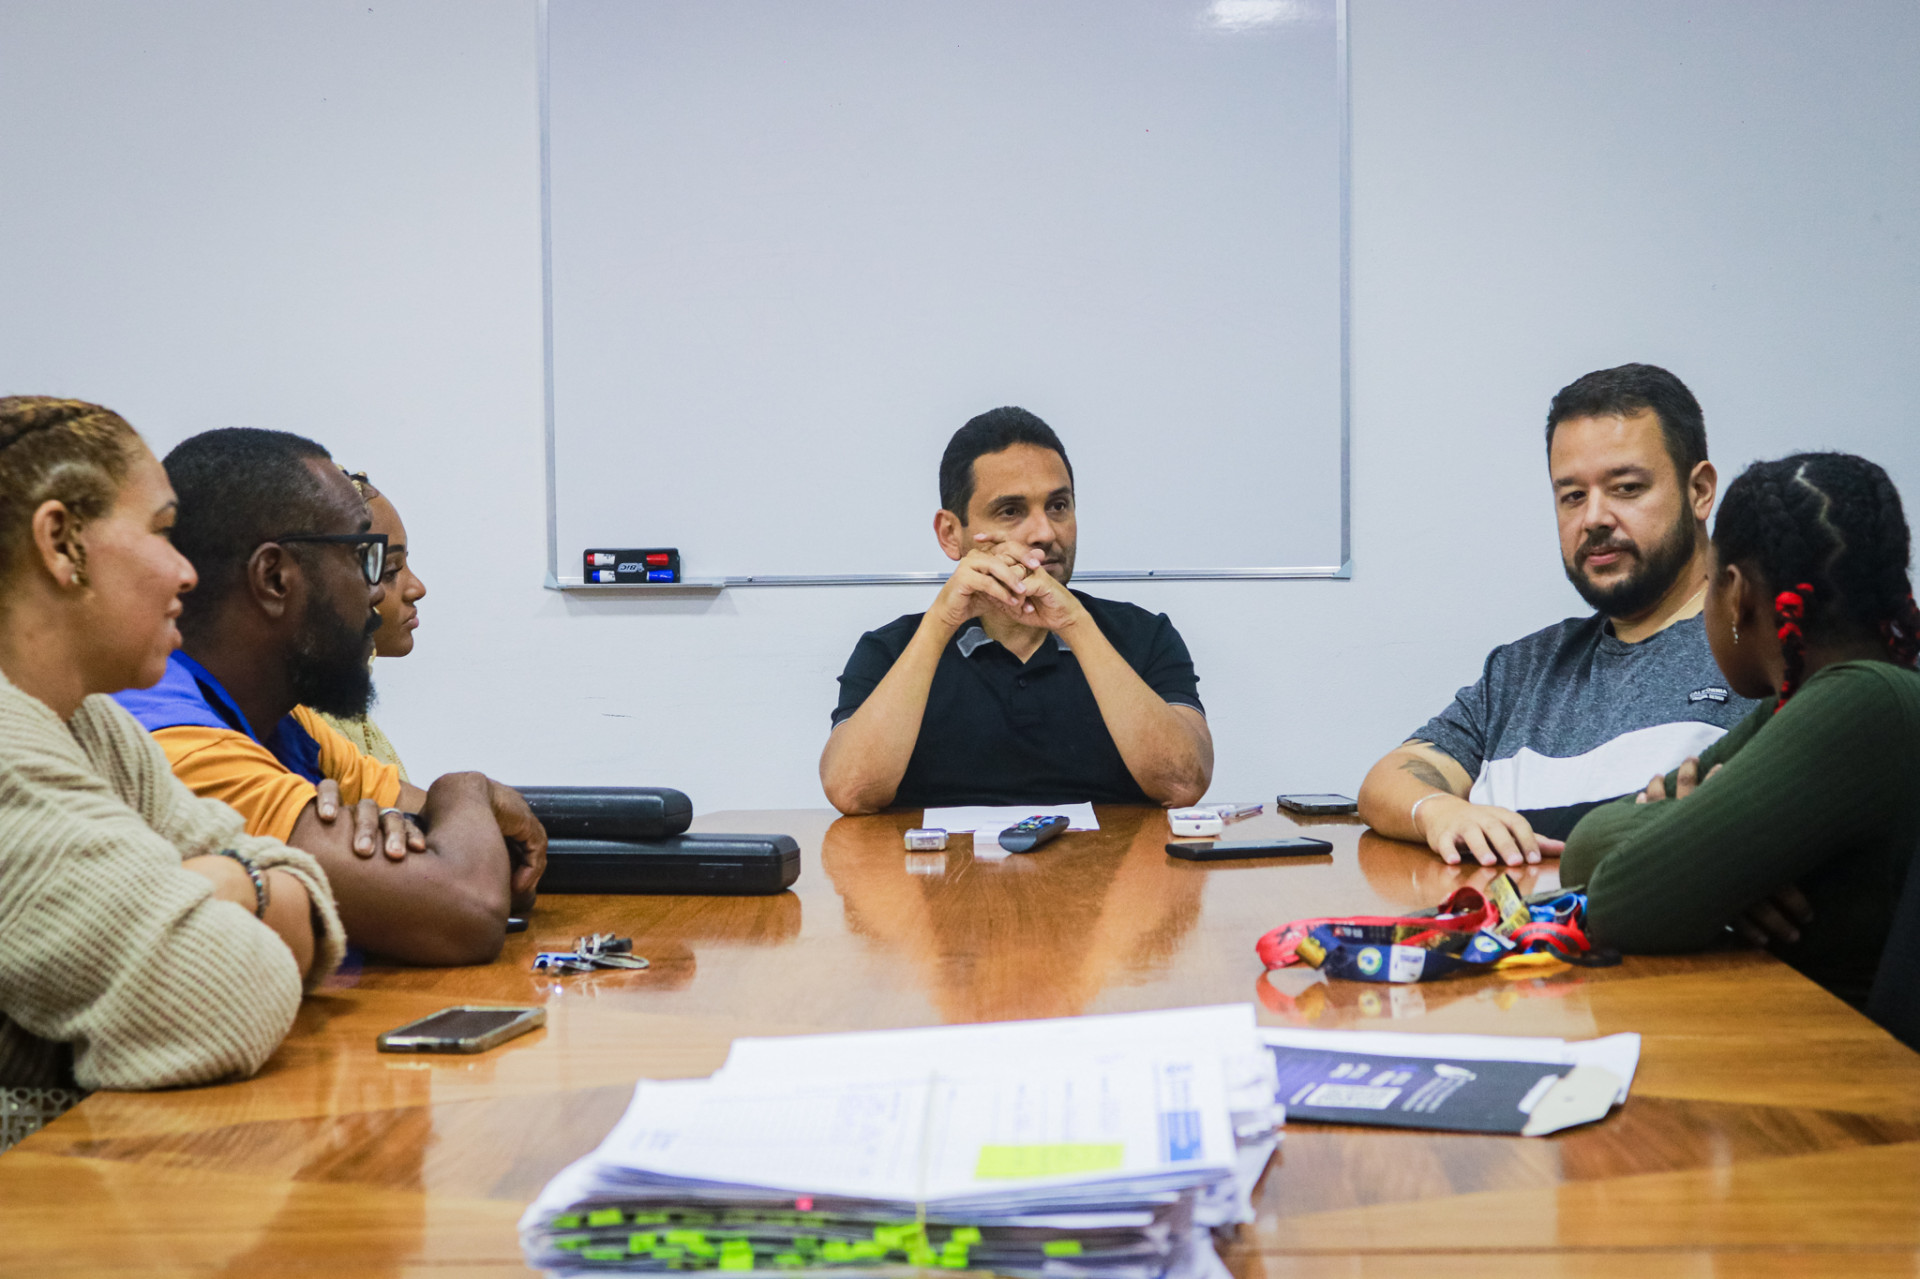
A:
<point x="289" y="908"/>
<point x="1671" y="875"/>
<point x="108" y="944"/>
<point x="526" y="838"/>
<point x="1167" y="747"/>
<point x="446" y="905"/>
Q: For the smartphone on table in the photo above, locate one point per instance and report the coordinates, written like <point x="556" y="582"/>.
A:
<point x="469" y="1028"/>
<point x="1227" y="850"/>
<point x="1317" y="805"/>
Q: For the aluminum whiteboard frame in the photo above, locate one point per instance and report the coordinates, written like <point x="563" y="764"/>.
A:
<point x="1342" y="572"/>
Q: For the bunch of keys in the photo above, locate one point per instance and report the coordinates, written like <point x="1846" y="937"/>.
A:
<point x="600" y="950"/>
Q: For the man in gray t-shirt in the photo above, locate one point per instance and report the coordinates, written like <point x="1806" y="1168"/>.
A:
<point x="1586" y="711"/>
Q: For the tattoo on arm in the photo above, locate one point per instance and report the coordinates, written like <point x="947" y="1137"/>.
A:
<point x="1422" y="771"/>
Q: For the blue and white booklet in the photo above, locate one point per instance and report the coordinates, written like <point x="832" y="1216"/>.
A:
<point x="1451" y="1083"/>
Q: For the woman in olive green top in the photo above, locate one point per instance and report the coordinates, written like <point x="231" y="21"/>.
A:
<point x="1806" y="817"/>
<point x="399" y="615"/>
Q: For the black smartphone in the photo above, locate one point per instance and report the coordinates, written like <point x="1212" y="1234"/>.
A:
<point x="1317" y="805"/>
<point x="469" y="1028"/>
<point x="1226" y="850"/>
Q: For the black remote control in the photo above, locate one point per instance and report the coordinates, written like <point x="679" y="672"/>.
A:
<point x="1032" y="833"/>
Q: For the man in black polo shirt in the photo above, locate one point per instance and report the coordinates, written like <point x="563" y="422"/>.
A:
<point x="1012" y="689"/>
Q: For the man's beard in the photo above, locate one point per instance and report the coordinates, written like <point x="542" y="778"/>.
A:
<point x="330" y="667"/>
<point x="1638" y="591"/>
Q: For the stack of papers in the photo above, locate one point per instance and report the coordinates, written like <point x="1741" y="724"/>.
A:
<point x="1092" y="1146"/>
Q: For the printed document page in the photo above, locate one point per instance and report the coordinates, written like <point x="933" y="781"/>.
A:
<point x="985" y="821"/>
<point x="930" y="1138"/>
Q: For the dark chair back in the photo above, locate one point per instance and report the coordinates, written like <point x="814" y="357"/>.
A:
<point x="1894" y="1001"/>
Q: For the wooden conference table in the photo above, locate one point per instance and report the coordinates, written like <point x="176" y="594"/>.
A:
<point x="1772" y="1130"/>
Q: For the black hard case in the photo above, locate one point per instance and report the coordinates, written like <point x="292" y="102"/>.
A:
<point x="720" y="865"/>
<point x="609" y="812"/>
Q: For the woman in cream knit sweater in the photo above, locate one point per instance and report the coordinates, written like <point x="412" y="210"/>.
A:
<point x="146" y="941"/>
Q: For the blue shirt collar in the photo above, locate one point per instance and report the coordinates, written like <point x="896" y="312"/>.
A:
<point x="188" y="695"/>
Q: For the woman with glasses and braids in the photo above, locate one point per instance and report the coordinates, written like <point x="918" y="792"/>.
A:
<point x="1798" y="827"/>
<point x="399" y="615"/>
<point x="146" y="940"/>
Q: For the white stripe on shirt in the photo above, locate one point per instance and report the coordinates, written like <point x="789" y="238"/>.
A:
<point x="1528" y="780"/>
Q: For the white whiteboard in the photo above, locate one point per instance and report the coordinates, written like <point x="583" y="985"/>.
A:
<point x="792" y="245"/>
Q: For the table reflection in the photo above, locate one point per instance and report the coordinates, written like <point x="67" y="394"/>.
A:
<point x="1414" y="878"/>
<point x="1035" y="935"/>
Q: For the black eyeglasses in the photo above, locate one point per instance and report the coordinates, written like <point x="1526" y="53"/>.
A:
<point x="371" y="547"/>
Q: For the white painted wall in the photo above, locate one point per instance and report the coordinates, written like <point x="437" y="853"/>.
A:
<point x="324" y="217"/>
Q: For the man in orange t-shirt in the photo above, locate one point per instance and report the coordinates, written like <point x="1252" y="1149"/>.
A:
<point x="270" y="783"/>
<point x="282" y="620"/>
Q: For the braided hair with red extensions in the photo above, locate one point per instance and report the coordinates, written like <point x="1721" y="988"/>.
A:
<point x="1828" y="533"/>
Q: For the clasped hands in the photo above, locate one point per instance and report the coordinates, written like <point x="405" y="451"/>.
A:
<point x="1775" y="918"/>
<point x="1008" y="577"/>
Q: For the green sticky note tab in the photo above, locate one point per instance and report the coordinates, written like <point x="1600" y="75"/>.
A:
<point x="1055" y="1159"/>
<point x="604" y="1217"/>
<point x="642" y="1242"/>
<point x="604" y="1254"/>
<point x="736" y="1261"/>
<point x="566" y="1221"/>
<point x="570" y="1242"/>
<point x="1061" y="1248"/>
<point x="953" y="1263"/>
<point x="964" y="1234"/>
<point x="787" y="1260"/>
<point x="837" y="1250"/>
<point x="921" y="1255"/>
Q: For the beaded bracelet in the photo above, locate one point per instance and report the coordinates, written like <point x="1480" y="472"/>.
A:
<point x="260" y="896"/>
